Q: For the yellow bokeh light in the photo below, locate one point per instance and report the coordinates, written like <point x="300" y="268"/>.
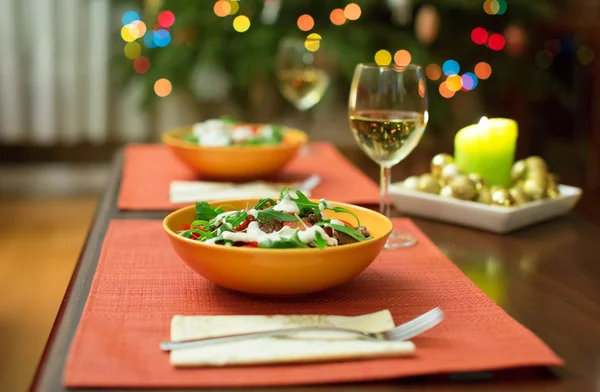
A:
<point x="163" y="87"/>
<point x="306" y="22"/>
<point x="445" y="91"/>
<point x="313" y="42"/>
<point x="494" y="7"/>
<point x="133" y="50"/>
<point x="402" y="57"/>
<point x="483" y="70"/>
<point x="454" y="83"/>
<point x="140" y="26"/>
<point x="129" y="33"/>
<point x="383" y="57"/>
<point x="433" y="71"/>
<point x="235" y="7"/>
<point x="241" y="23"/>
<point x="352" y="11"/>
<point x="222" y="8"/>
<point x="337" y="17"/>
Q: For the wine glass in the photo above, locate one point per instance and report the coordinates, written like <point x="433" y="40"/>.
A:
<point x="388" y="115"/>
<point x="301" y="72"/>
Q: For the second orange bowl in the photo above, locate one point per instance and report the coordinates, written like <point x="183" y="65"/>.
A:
<point x="235" y="163"/>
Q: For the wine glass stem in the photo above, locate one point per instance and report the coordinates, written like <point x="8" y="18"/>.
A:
<point x="385" y="180"/>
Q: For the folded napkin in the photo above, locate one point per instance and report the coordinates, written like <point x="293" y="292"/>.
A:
<point x="302" y="347"/>
<point x="191" y="191"/>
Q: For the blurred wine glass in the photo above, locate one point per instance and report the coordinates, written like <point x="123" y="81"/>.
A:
<point x="388" y="115"/>
<point x="302" y="72"/>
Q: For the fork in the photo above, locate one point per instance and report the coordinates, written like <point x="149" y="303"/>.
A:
<point x="402" y="332"/>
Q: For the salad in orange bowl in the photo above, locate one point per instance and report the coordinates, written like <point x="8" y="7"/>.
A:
<point x="289" y="246"/>
<point x="229" y="150"/>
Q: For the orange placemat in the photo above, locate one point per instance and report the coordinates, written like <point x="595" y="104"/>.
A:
<point x="140" y="283"/>
<point x="148" y="170"/>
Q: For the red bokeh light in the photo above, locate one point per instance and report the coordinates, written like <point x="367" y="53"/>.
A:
<point x="479" y="35"/>
<point x="166" y="19"/>
<point x="496" y="42"/>
<point x="141" y="64"/>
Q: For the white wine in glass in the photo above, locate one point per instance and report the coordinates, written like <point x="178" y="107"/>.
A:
<point x="388" y="115"/>
<point x="301" y="73"/>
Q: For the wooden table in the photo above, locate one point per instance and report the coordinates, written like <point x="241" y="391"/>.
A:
<point x="547" y="277"/>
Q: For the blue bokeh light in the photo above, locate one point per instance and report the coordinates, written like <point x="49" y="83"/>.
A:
<point x="162" y="38"/>
<point x="149" y="39"/>
<point x="450" y="67"/>
<point x="130" y="16"/>
<point x="469" y="81"/>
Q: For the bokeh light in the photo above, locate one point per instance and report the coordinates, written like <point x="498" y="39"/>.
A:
<point x="235" y="7"/>
<point x="241" y="23"/>
<point x="487" y="7"/>
<point x="133" y="50"/>
<point x="402" y="57"/>
<point x="544" y="59"/>
<point x="166" y="18"/>
<point x="162" y="38"/>
<point x="130" y="16"/>
<point x="433" y="71"/>
<point x="469" y="81"/>
<point x="502" y="6"/>
<point x="138" y="28"/>
<point x="141" y="64"/>
<point x="496" y="42"/>
<point x="149" y="40"/>
<point x="445" y="91"/>
<point x="454" y="83"/>
<point x="495" y="7"/>
<point x="383" y="57"/>
<point x="337" y="17"/>
<point x="313" y="42"/>
<point x="450" y="67"/>
<point x="163" y="87"/>
<point x="483" y="70"/>
<point x="306" y="22"/>
<point x="352" y="11"/>
<point x="479" y="35"/>
<point x="129" y="33"/>
<point x="222" y="8"/>
<point x="585" y="55"/>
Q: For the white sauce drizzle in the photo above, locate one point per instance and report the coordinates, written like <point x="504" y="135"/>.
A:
<point x="221" y="217"/>
<point x="253" y="213"/>
<point x="241" y="133"/>
<point x="337" y="222"/>
<point x="287" y="205"/>
<point x="294" y="195"/>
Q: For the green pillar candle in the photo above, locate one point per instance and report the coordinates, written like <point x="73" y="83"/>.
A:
<point x="488" y="149"/>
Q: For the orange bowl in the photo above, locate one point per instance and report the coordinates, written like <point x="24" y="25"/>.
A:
<point x="235" y="162"/>
<point x="279" y="272"/>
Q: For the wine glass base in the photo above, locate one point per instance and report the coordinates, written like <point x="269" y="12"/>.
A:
<point x="400" y="240"/>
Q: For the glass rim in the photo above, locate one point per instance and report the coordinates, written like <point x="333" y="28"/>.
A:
<point x="389" y="66"/>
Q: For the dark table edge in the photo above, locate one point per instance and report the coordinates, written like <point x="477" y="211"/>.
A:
<point x="97" y="231"/>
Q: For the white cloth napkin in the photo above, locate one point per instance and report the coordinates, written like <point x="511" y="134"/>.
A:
<point x="305" y="347"/>
<point x="192" y="191"/>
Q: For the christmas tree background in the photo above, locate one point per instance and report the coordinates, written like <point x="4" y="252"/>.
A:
<point x="202" y="54"/>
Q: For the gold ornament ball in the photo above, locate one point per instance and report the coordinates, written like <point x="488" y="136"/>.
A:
<point x="501" y="197"/>
<point x="519" y="195"/>
<point x="485" y="196"/>
<point x="536" y="188"/>
<point x="438" y="162"/>
<point x="535" y="163"/>
<point x="463" y="188"/>
<point x="518" y="171"/>
<point x="552" y="190"/>
<point x="477" y="180"/>
<point x="411" y="182"/>
<point x="449" y="172"/>
<point x="429" y="184"/>
<point x="446" y="191"/>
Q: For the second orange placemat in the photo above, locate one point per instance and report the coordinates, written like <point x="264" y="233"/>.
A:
<point x="140" y="283"/>
<point x="148" y="170"/>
